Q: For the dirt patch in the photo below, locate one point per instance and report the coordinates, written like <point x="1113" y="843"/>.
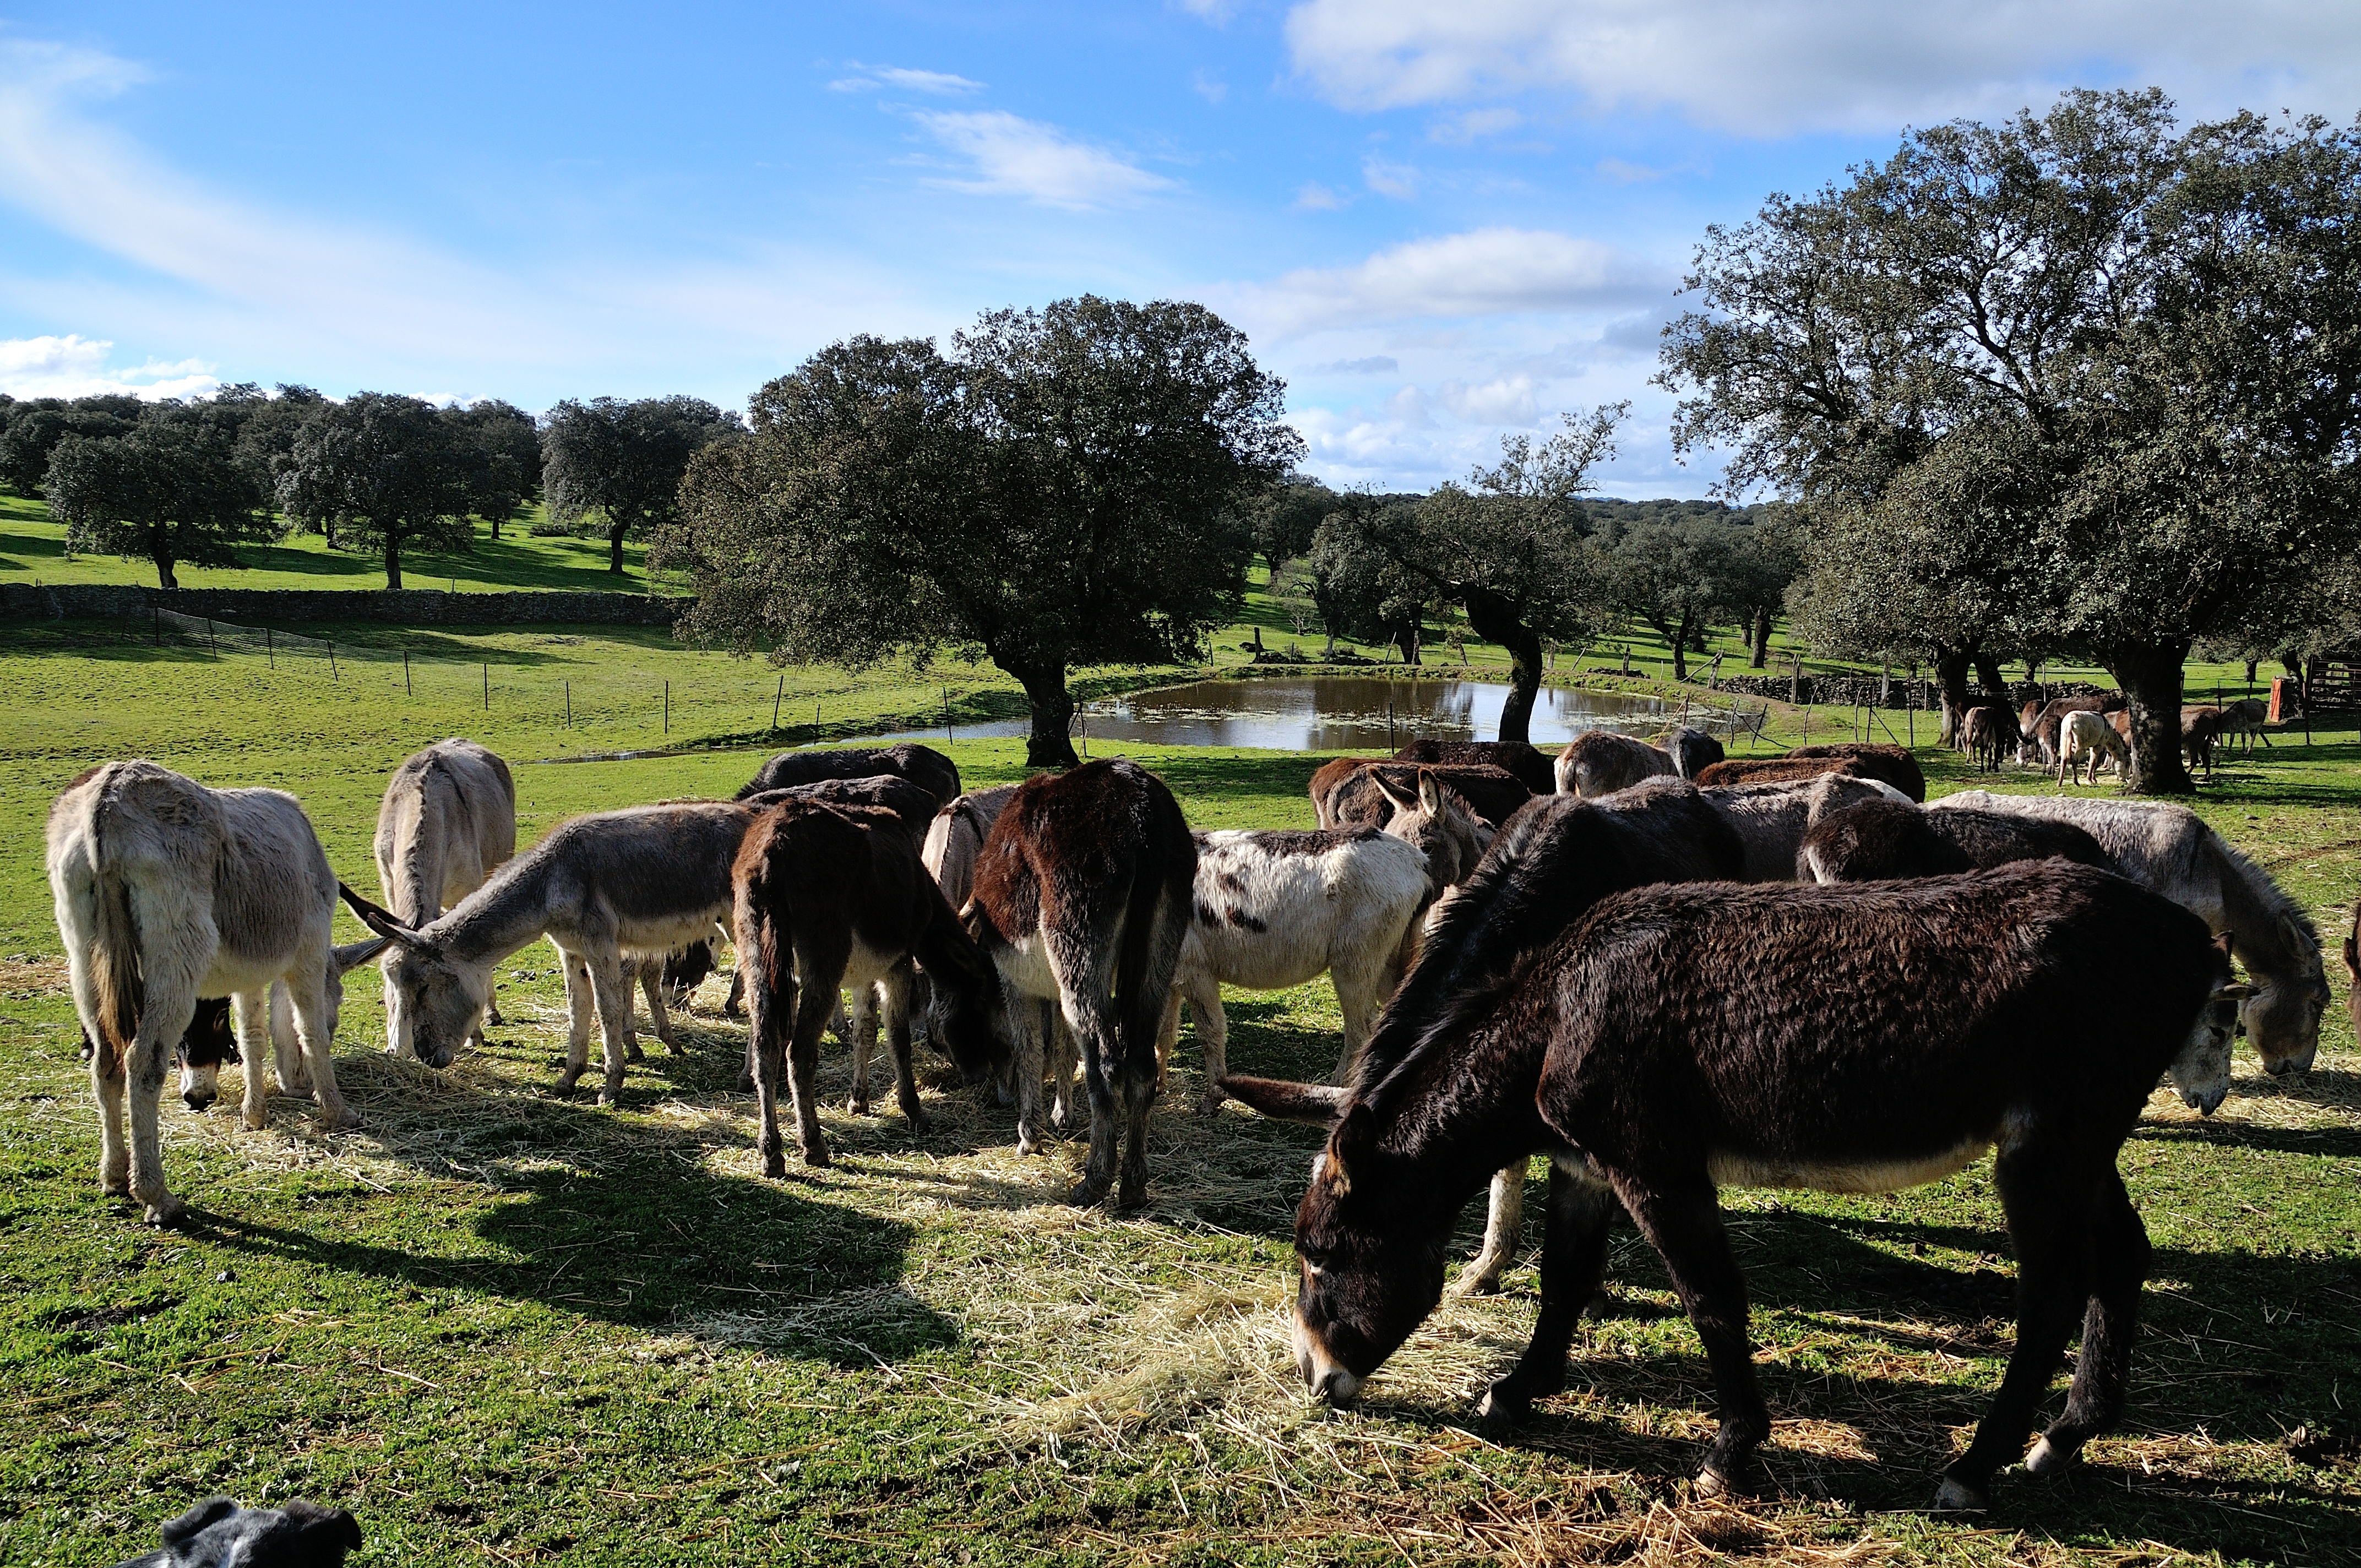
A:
<point x="27" y="975"/>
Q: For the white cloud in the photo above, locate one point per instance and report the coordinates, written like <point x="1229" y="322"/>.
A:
<point x="1510" y="399"/>
<point x="871" y="78"/>
<point x="1399" y="180"/>
<point x="1014" y="157"/>
<point x="1313" y="197"/>
<point x="1373" y="364"/>
<point x="1776" y="67"/>
<point x="1218" y="12"/>
<point x="1487" y="272"/>
<point x="1461" y="130"/>
<point x="1211" y="88"/>
<point x="75" y="367"/>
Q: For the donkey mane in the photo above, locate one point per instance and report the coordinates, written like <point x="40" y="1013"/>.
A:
<point x="2260" y="911"/>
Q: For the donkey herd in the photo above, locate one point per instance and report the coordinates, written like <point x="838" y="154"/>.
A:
<point x="1666" y="971"/>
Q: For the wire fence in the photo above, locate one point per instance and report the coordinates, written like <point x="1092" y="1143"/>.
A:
<point x="729" y="696"/>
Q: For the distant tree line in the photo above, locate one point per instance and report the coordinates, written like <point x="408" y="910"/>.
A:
<point x="185" y="482"/>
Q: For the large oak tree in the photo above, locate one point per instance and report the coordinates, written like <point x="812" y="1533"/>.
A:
<point x="1062" y="488"/>
<point x="625" y="460"/>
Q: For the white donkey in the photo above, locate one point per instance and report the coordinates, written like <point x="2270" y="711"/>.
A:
<point x="448" y="822"/>
<point x="609" y="890"/>
<point x="167" y="892"/>
<point x="1276" y="909"/>
<point x="2169" y="849"/>
<point x="2088" y="736"/>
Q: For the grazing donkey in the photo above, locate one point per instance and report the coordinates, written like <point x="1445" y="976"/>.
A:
<point x="1678" y="1040"/>
<point x="1345" y="793"/>
<point x="922" y="766"/>
<point x="211" y="1042"/>
<point x="1082" y="896"/>
<point x="1880" y="840"/>
<point x="2084" y="736"/>
<point x="827" y="897"/>
<point x="448" y="822"/>
<point x="2169" y="849"/>
<point x="1528" y="766"/>
<point x="609" y="890"/>
<point x="165" y="892"/>
<point x="2245" y="720"/>
<point x="1599" y="762"/>
<point x="1276" y="909"/>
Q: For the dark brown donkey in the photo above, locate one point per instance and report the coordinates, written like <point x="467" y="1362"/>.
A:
<point x="1083" y="895"/>
<point x="921" y="765"/>
<point x="1858" y="1038"/>
<point x="1878" y="841"/>
<point x="827" y="897"/>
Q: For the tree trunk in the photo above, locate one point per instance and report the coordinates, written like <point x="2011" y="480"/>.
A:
<point x="1988" y="670"/>
<point x="1680" y="647"/>
<point x="392" y="560"/>
<point x="1762" y="653"/>
<point x="615" y="554"/>
<point x="159" y="549"/>
<point x="1051" y="742"/>
<point x="1495" y="618"/>
<point x="496" y="526"/>
<point x="1951" y="681"/>
<point x="2150" y="676"/>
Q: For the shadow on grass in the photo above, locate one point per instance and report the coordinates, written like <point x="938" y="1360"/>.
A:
<point x="652" y="1243"/>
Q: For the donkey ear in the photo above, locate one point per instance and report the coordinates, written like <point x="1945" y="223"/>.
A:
<point x="383" y="922"/>
<point x="1393" y="793"/>
<point x="1430" y="794"/>
<point x="2235" y="994"/>
<point x="1353" y="1141"/>
<point x="2353" y="950"/>
<point x="1320" y="1104"/>
<point x="350" y="956"/>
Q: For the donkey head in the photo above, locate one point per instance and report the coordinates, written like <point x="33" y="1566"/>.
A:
<point x="209" y="1040"/>
<point x="433" y="998"/>
<point x="963" y="1013"/>
<point x="1370" y="1264"/>
<point x="2283" y="1020"/>
<point x="1439" y="823"/>
<point x="2202" y="1071"/>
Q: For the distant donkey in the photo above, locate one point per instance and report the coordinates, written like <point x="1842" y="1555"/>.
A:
<point x="448" y="822"/>
<point x="167" y="890"/>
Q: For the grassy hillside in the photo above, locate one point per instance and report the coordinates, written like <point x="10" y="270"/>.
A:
<point x="510" y="1327"/>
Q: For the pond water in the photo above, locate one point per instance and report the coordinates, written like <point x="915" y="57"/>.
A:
<point x="1359" y="712"/>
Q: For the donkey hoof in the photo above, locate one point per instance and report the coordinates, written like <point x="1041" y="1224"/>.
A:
<point x="745" y="1083"/>
<point x="1503" y="1407"/>
<point x="256" y="1121"/>
<point x="116" y="1186"/>
<point x="1954" y="1496"/>
<point x="2048" y="1458"/>
<point x="1711" y="1484"/>
<point x="917" y="1117"/>
<point x="816" y="1156"/>
<point x="1211" y="1104"/>
<point x="1086" y="1193"/>
<point x="1472" y="1283"/>
<point x="774" y="1167"/>
<point x="857" y="1106"/>
<point x="567" y="1081"/>
<point x="633" y="1054"/>
<point x="343" y="1119"/>
<point x="165" y="1210"/>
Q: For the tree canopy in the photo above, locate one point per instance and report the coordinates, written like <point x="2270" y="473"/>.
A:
<point x="1507" y="549"/>
<point x="1063" y="488"/>
<point x="390" y="470"/>
<point x="501" y="446"/>
<point x="626" y="460"/>
<point x="167" y="487"/>
<point x="2080" y="380"/>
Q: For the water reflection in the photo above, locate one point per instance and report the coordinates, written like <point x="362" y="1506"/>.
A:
<point x="1354" y="713"/>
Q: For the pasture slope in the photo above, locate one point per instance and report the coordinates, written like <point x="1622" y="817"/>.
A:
<point x="508" y="1328"/>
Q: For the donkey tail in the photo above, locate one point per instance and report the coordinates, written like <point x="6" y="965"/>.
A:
<point x="114" y="964"/>
<point x="1155" y="921"/>
<point x="761" y="928"/>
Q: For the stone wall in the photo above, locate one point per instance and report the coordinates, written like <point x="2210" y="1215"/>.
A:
<point x="396" y="606"/>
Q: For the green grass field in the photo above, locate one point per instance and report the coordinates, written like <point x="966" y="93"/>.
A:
<point x="507" y="1327"/>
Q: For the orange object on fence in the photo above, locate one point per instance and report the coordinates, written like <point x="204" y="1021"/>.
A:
<point x="2279" y="697"/>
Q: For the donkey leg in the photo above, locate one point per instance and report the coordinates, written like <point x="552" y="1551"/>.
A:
<point x="862" y="1035"/>
<point x="251" y="1009"/>
<point x="143" y="1067"/>
<point x="2048" y="1203"/>
<point x="1135" y="1089"/>
<point x="1204" y="996"/>
<point x="1059" y="1053"/>
<point x="1504" y="1213"/>
<point x="1357" y="981"/>
<point x="1096" y="1039"/>
<point x="307" y="992"/>
<point x="1684" y="1223"/>
<point x="652" y="986"/>
<point x="287" y="1046"/>
<point x="770" y="1018"/>
<point x="581" y="1007"/>
<point x="1026" y="1022"/>
<point x="2119" y="1265"/>
<point x="631" y="977"/>
<point x="1574" y="1260"/>
<point x="814" y="1007"/>
<point x="891" y="996"/>
<point x="107" y="1081"/>
<point x="611" y="983"/>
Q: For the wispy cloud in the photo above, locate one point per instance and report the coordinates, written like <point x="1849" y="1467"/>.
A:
<point x="1765" y="70"/>
<point x="1485" y="273"/>
<point x="1009" y="156"/>
<point x="1374" y="365"/>
<point x="1465" y="129"/>
<point x="1214" y="11"/>
<point x="76" y="366"/>
<point x="1209" y="87"/>
<point x="1399" y="180"/>
<point x="1313" y="197"/>
<point x="872" y="78"/>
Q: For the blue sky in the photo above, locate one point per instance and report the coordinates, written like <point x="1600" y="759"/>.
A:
<point x="1439" y="219"/>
